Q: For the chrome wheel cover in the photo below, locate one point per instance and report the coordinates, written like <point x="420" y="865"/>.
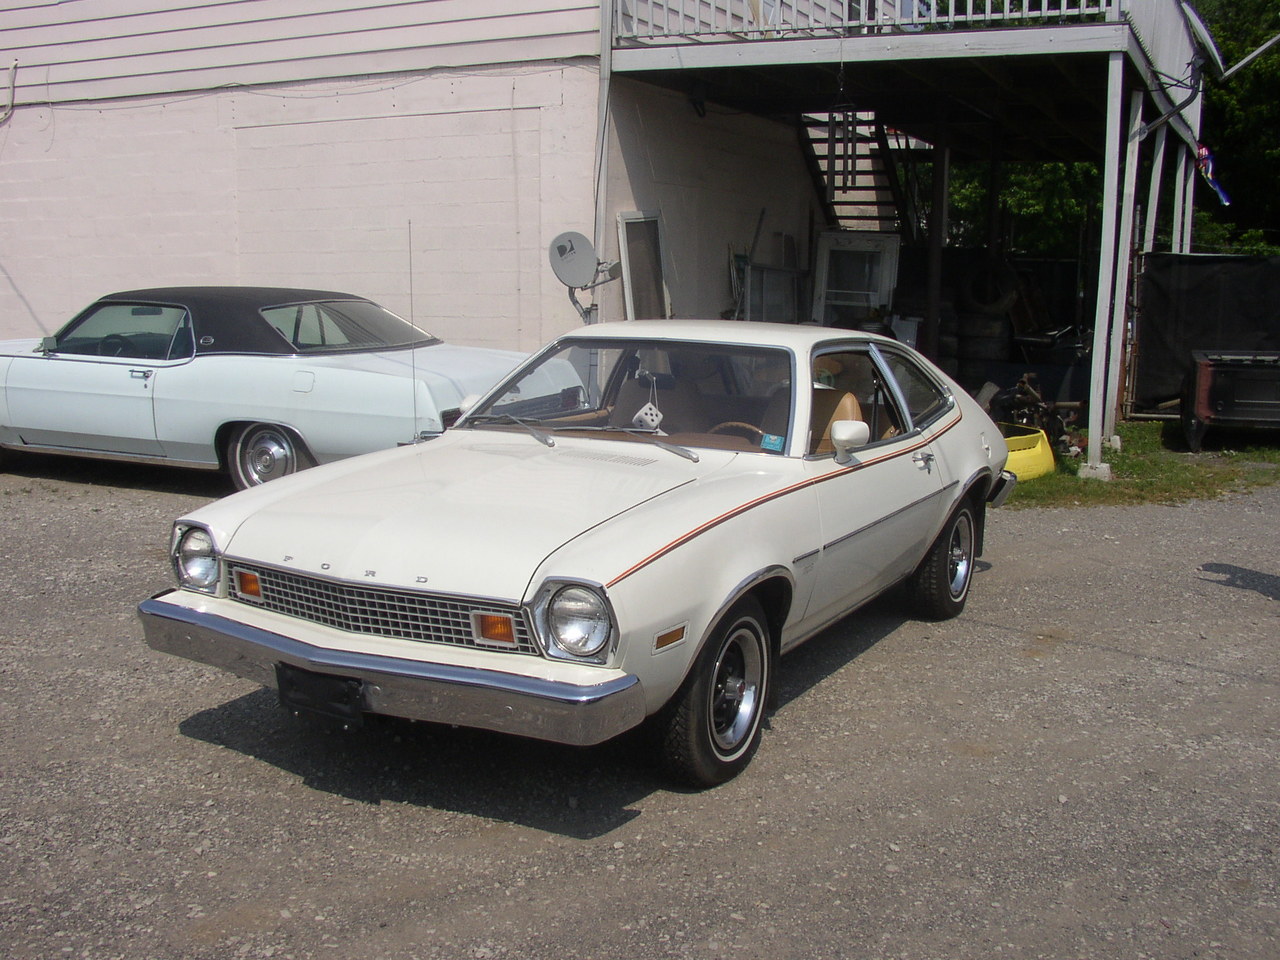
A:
<point x="735" y="688"/>
<point x="960" y="556"/>
<point x="267" y="455"/>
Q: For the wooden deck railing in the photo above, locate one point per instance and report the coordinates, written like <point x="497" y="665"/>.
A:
<point x="703" y="21"/>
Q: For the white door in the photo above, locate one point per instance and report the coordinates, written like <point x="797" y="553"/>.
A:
<point x="880" y="509"/>
<point x="101" y="405"/>
<point x="93" y="390"/>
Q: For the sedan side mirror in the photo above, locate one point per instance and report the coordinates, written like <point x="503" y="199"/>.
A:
<point x="47" y="345"/>
<point x="847" y="436"/>
<point x="454" y="414"/>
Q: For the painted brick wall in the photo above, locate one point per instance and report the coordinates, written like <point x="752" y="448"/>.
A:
<point x="312" y="185"/>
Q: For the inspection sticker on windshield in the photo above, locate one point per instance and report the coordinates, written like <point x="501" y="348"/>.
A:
<point x="771" y="441"/>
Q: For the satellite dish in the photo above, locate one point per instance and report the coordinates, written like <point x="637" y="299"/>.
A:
<point x="573" y="259"/>
<point x="1205" y="39"/>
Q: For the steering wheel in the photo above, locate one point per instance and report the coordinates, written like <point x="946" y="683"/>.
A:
<point x="116" y="345"/>
<point x="750" y="430"/>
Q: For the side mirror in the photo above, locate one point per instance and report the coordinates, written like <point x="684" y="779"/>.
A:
<point x="47" y="345"/>
<point x="847" y="436"/>
<point x="454" y="414"/>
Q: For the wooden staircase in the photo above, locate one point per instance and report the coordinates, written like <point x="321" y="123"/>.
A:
<point x="859" y="168"/>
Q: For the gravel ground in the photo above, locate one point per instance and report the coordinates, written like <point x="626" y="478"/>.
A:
<point x="1083" y="765"/>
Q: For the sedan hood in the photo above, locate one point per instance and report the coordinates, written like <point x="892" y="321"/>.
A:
<point x="19" y="348"/>
<point x="471" y="513"/>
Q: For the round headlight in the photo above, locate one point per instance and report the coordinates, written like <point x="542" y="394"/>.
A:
<point x="579" y="621"/>
<point x="196" y="559"/>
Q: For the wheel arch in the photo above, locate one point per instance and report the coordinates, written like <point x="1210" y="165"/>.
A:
<point x="222" y="438"/>
<point x="774" y="589"/>
<point x="975" y="491"/>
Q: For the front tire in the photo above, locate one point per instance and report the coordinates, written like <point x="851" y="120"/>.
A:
<point x="259" y="452"/>
<point x="711" y="728"/>
<point x="940" y="585"/>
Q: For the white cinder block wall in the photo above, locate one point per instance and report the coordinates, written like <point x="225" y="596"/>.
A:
<point x="712" y="178"/>
<point x="434" y="193"/>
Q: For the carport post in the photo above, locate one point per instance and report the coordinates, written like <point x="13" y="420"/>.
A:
<point x="938" y="213"/>
<point x="1094" y="467"/>
<point x="1188" y="171"/>
<point x="1179" y="198"/>
<point x="1153" y="190"/>
<point x="1124" y="256"/>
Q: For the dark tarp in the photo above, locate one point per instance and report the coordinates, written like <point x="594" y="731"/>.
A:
<point x="1200" y="302"/>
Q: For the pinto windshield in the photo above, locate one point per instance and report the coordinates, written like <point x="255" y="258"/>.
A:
<point x="692" y="394"/>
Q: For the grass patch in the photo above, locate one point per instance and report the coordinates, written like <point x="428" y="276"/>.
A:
<point x="1153" y="465"/>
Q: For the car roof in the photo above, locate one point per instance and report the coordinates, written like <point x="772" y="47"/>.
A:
<point x="800" y="337"/>
<point x="229" y="314"/>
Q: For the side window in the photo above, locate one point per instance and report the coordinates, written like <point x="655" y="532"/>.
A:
<point x="926" y="401"/>
<point x="847" y="385"/>
<point x="305" y="325"/>
<point x="137" y="331"/>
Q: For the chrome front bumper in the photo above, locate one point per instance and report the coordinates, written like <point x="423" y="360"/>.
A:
<point x="440" y="693"/>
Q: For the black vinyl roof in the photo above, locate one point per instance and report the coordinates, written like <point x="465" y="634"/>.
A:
<point x="229" y="315"/>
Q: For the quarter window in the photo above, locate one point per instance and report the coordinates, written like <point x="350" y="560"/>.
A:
<point x="925" y="400"/>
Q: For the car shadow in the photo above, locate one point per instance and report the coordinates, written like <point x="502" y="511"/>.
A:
<point x="578" y="792"/>
<point x="113" y="473"/>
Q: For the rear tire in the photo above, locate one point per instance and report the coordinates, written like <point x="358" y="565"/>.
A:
<point x="259" y="452"/>
<point x="711" y="729"/>
<point x="939" y="587"/>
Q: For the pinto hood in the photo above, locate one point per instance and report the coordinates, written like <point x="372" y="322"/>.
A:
<point x="471" y="513"/>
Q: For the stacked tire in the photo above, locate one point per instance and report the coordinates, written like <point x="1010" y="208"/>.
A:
<point x="986" y="333"/>
<point x="984" y="339"/>
<point x="949" y="340"/>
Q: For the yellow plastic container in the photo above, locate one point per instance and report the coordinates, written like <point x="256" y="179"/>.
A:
<point x="1030" y="453"/>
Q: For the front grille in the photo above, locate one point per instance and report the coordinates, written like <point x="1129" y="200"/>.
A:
<point x="402" y="614"/>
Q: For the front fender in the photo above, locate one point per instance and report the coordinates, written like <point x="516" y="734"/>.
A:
<point x="687" y="591"/>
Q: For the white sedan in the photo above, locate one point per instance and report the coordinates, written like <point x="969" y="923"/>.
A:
<point x="640" y="546"/>
<point x="259" y="381"/>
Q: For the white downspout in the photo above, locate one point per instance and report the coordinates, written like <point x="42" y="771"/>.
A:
<point x="601" y="172"/>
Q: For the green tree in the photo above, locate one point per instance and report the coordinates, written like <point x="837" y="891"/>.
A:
<point x="1242" y="126"/>
<point x="1046" y="209"/>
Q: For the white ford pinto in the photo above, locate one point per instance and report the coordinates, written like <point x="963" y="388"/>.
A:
<point x="638" y="547"/>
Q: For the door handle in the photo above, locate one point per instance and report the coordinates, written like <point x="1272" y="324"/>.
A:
<point x="925" y="459"/>
<point x="141" y="374"/>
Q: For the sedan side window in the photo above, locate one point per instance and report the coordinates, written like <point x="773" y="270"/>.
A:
<point x="306" y="326"/>
<point x="137" y="331"/>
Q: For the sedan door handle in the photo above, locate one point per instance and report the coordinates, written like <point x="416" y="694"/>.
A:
<point x="141" y="374"/>
<point x="925" y="459"/>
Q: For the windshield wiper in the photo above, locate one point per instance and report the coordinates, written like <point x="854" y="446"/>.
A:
<point x="649" y="433"/>
<point x="537" y="434"/>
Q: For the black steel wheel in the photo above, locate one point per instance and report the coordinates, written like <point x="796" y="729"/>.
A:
<point x="940" y="585"/>
<point x="711" y="728"/>
<point x="259" y="452"/>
